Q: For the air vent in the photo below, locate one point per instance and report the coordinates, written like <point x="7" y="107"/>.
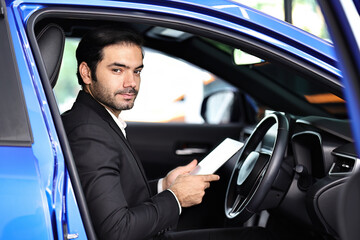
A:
<point x="343" y="165"/>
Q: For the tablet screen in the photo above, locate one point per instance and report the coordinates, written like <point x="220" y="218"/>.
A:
<point x="217" y="157"/>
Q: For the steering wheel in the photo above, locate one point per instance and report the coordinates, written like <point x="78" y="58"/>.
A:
<point x="255" y="170"/>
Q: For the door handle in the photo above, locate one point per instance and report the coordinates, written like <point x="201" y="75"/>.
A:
<point x="190" y="151"/>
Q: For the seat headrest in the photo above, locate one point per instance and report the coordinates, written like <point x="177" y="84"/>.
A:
<point x="51" y="41"/>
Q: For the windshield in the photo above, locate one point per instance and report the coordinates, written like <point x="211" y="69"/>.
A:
<point x="287" y="81"/>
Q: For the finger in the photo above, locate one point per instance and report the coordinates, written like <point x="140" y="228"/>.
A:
<point x="211" y="177"/>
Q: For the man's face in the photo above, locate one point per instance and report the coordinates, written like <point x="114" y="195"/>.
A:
<point x="117" y="77"/>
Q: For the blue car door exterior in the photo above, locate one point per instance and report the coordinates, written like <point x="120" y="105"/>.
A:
<point x="37" y="201"/>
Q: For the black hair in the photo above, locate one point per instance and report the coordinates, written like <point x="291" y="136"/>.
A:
<point x="90" y="48"/>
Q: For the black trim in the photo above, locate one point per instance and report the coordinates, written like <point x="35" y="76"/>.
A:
<point x="288" y="7"/>
<point x="15" y="129"/>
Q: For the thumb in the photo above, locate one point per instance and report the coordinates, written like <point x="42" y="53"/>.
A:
<point x="190" y="166"/>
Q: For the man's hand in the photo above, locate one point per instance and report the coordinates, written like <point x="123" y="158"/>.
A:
<point x="172" y="175"/>
<point x="190" y="189"/>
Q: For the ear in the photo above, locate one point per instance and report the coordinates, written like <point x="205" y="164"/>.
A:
<point x="85" y="73"/>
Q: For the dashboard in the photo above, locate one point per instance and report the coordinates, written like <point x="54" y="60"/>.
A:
<point x="323" y="156"/>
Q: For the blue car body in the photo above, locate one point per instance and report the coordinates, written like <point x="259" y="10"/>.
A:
<point x="36" y="193"/>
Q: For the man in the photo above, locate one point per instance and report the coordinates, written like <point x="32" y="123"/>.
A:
<point x="121" y="201"/>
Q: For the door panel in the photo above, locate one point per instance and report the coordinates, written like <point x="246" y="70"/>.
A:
<point x="164" y="146"/>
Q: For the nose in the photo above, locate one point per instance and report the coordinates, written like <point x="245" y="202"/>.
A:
<point x="130" y="80"/>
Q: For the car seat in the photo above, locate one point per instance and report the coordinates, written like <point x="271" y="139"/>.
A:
<point x="51" y="42"/>
<point x="349" y="209"/>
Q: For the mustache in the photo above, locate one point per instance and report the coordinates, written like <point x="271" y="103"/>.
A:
<point x="127" y="90"/>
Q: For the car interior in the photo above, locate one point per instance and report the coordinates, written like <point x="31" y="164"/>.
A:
<point x="288" y="112"/>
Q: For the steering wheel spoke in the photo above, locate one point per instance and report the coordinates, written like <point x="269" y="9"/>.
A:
<point x="236" y="206"/>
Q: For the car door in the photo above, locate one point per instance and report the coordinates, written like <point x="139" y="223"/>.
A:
<point x="37" y="196"/>
<point x="24" y="207"/>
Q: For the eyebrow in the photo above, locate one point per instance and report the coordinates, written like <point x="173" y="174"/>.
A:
<point x="123" y="65"/>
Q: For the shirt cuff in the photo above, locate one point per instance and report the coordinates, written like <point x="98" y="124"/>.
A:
<point x="180" y="209"/>
<point x="160" y="189"/>
<point x="160" y="186"/>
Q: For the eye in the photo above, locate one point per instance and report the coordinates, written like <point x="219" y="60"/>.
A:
<point x="137" y="72"/>
<point x="117" y="70"/>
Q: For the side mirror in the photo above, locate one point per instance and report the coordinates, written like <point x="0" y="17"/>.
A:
<point x="221" y="107"/>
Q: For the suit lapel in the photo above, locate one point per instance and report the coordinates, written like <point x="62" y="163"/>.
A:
<point x="116" y="128"/>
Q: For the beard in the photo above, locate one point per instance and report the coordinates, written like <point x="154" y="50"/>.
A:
<point x="108" y="98"/>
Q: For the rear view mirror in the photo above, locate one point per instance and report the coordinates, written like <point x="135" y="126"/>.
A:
<point x="220" y="107"/>
<point x="242" y="58"/>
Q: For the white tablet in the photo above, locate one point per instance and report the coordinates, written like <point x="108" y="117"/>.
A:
<point x="217" y="157"/>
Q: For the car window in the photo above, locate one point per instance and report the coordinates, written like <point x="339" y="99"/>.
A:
<point x="305" y="88"/>
<point x="171" y="90"/>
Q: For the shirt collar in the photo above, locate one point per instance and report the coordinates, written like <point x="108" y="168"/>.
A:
<point x="119" y="121"/>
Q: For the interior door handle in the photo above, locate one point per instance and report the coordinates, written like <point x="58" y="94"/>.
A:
<point x="190" y="151"/>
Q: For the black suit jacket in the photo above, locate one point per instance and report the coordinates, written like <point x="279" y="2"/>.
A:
<point x="122" y="204"/>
